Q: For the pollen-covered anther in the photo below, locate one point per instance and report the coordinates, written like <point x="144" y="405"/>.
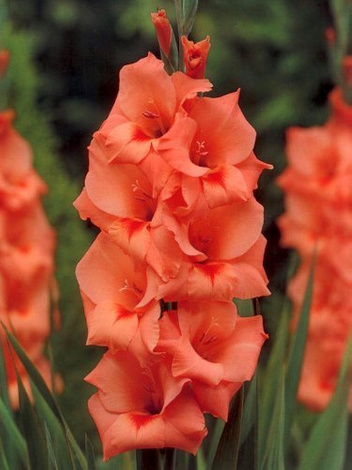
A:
<point x="141" y="194"/>
<point x="128" y="286"/>
<point x="150" y="114"/>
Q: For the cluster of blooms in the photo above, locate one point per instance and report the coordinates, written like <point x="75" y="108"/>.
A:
<point x="170" y="184"/>
<point x="318" y="189"/>
<point x="26" y="254"/>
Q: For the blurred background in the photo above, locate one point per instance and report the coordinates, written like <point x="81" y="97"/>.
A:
<point x="65" y="59"/>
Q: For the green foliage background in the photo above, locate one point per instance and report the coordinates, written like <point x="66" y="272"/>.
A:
<point x="274" y="51"/>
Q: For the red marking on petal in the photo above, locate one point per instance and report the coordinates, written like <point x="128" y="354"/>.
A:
<point x="140" y="420"/>
<point x="210" y="270"/>
<point x="216" y="179"/>
<point x="132" y="226"/>
<point x="140" y="135"/>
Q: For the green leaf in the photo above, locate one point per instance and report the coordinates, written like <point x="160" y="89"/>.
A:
<point x="15" y="438"/>
<point x="326" y="446"/>
<point x="148" y="459"/>
<point x="52" y="463"/>
<point x="295" y="359"/>
<point x="227" y="452"/>
<point x="193" y="463"/>
<point x="44" y="391"/>
<point x="270" y="379"/>
<point x="274" y="454"/>
<point x="32" y="430"/>
<point x="33" y="373"/>
<point x="3" y="379"/>
<point x="249" y="427"/>
<point x="55" y="428"/>
<point x="245" y="308"/>
<point x="90" y="455"/>
<point x="185" y="15"/>
<point x="3" y="461"/>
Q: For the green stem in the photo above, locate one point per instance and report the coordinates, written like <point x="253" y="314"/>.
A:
<point x="170" y="459"/>
<point x="148" y="459"/>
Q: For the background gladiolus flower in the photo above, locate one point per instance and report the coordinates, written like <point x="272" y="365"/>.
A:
<point x="318" y="215"/>
<point x="27" y="245"/>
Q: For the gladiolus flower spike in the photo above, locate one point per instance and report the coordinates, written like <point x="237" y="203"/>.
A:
<point x="27" y="245"/>
<point x="167" y="168"/>
<point x="317" y="185"/>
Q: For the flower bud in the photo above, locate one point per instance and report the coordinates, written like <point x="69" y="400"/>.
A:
<point x="195" y="56"/>
<point x="163" y="31"/>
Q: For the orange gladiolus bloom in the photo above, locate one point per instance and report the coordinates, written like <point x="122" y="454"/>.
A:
<point x="143" y="407"/>
<point x="318" y="214"/>
<point x="167" y="170"/>
<point x="27" y="244"/>
<point x="212" y="346"/>
<point x="113" y="317"/>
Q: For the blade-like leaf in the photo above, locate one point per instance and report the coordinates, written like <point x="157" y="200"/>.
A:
<point x="55" y="428"/>
<point x="33" y="373"/>
<point x="269" y="380"/>
<point x="326" y="446"/>
<point x="3" y="379"/>
<point x="3" y="461"/>
<point x="227" y="452"/>
<point x="18" y="442"/>
<point x="274" y="453"/>
<point x="185" y="15"/>
<point x="90" y="454"/>
<point x="52" y="462"/>
<point x="43" y="389"/>
<point x="295" y="360"/>
<point x="192" y="463"/>
<point x="32" y="430"/>
<point x="248" y="455"/>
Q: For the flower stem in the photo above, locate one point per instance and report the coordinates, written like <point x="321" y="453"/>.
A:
<point x="148" y="459"/>
<point x="170" y="459"/>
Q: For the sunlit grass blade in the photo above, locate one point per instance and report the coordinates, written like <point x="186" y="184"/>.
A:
<point x="296" y="354"/>
<point x="90" y="454"/>
<point x="227" y="452"/>
<point x="326" y="446"/>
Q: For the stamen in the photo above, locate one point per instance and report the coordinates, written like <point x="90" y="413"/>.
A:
<point x="150" y="114"/>
<point x="127" y="285"/>
<point x="201" y="148"/>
